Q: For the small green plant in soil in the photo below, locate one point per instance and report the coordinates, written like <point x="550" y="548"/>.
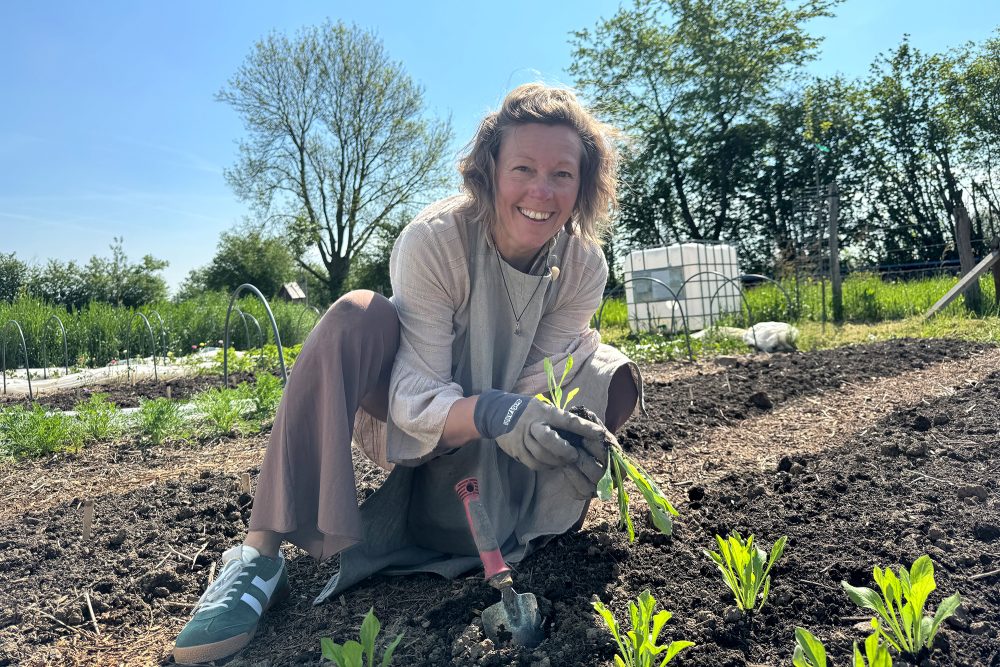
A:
<point x="810" y="652"/>
<point x="899" y="605"/>
<point x="638" y="647"/>
<point x="264" y="395"/>
<point x="220" y="411"/>
<point x="35" y="432"/>
<point x="620" y="466"/>
<point x="99" y="418"/>
<point x="360" y="654"/>
<point x="743" y="567"/>
<point x="158" y="420"/>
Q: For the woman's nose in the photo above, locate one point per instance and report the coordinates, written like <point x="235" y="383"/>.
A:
<point x="541" y="189"/>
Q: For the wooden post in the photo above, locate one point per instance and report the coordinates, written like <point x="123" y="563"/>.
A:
<point x="995" y="246"/>
<point x="835" y="286"/>
<point x="963" y="238"/>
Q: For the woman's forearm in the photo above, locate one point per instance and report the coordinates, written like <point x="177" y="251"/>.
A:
<point x="459" y="427"/>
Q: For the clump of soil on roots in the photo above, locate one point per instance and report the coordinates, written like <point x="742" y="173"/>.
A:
<point x="920" y="477"/>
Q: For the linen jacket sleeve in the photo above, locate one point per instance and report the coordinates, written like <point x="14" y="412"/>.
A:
<point x="429" y="274"/>
<point x="565" y="326"/>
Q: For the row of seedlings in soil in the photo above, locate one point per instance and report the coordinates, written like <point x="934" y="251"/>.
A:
<point x="244" y="410"/>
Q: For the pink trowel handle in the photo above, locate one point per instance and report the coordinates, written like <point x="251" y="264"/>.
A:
<point x="482" y="529"/>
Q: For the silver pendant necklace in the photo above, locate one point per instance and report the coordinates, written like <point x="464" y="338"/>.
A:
<point x="503" y="276"/>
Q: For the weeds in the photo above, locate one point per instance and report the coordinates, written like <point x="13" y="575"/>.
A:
<point x="360" y="654"/>
<point x="638" y="647"/>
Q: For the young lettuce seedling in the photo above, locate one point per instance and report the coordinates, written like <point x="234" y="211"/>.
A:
<point x="355" y="654"/>
<point x="903" y="624"/>
<point x="620" y="466"/>
<point x="638" y="647"/>
<point x="809" y="652"/>
<point x="742" y="566"/>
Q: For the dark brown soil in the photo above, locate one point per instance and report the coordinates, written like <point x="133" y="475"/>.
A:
<point x="127" y="395"/>
<point x="920" y="479"/>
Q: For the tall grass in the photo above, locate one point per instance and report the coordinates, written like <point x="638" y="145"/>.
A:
<point x="100" y="333"/>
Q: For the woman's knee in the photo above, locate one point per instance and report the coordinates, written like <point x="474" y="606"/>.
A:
<point x="363" y="313"/>
<point x="623" y="397"/>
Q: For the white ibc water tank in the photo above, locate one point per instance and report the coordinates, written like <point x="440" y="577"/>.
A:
<point x="696" y="273"/>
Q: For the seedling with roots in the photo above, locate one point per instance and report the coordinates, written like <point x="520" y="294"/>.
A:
<point x="620" y="466"/>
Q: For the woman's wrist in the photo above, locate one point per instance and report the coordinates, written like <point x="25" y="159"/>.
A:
<point x="460" y="426"/>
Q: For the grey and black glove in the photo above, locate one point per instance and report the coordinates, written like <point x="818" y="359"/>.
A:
<point x="525" y="429"/>
<point x="584" y="475"/>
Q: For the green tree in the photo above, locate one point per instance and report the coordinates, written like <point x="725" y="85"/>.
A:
<point x="248" y="256"/>
<point x="59" y="283"/>
<point x="116" y="281"/>
<point x="337" y="141"/>
<point x="693" y="81"/>
<point x="13" y="276"/>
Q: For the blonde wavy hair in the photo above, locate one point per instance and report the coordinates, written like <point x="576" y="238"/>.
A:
<point x="597" y="199"/>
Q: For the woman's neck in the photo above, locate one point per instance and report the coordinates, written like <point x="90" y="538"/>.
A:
<point x="520" y="259"/>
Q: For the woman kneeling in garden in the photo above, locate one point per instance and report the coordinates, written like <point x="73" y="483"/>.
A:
<point x="437" y="383"/>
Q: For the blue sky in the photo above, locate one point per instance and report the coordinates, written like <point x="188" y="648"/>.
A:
<point x="109" y="127"/>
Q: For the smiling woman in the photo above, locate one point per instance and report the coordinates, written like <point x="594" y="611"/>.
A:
<point x="438" y="383"/>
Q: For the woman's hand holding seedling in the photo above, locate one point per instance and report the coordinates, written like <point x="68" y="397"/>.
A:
<point x="526" y="429"/>
<point x="615" y="466"/>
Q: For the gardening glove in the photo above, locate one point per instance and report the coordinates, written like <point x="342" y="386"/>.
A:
<point x="592" y="461"/>
<point x="525" y="429"/>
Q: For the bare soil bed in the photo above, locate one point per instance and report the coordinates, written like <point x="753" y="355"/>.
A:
<point x="863" y="456"/>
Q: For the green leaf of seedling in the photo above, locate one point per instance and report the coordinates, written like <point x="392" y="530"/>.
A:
<point x="809" y="649"/>
<point x="390" y="649"/>
<point x="550" y="376"/>
<point x="606" y="486"/>
<point x="569" y="397"/>
<point x="674" y="649"/>
<point x="352" y="654"/>
<point x="947" y="607"/>
<point x="332" y="651"/>
<point x="543" y="398"/>
<point x="369" y="630"/>
<point x="569" y="365"/>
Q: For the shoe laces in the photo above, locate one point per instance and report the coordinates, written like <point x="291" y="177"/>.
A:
<point x="223" y="590"/>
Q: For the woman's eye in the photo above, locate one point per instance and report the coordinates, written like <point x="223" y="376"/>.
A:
<point x="564" y="174"/>
<point x="521" y="168"/>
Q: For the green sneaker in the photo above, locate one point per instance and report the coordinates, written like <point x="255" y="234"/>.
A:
<point x="226" y="616"/>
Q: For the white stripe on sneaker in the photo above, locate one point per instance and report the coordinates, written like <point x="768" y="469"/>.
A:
<point x="253" y="602"/>
<point x="267" y="587"/>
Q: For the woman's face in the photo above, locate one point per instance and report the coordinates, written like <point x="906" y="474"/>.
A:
<point x="537" y="181"/>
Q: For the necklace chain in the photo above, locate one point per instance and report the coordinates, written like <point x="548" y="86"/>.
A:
<point x="503" y="276"/>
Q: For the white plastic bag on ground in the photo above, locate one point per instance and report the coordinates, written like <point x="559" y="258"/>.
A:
<point x="772" y="337"/>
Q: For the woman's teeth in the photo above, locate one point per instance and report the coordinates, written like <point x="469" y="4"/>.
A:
<point x="534" y="215"/>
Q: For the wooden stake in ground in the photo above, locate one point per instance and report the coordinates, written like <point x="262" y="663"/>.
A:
<point x="88" y="519"/>
<point x="963" y="239"/>
<point x="245" y="483"/>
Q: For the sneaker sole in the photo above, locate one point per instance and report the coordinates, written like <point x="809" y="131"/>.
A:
<point x="227" y="648"/>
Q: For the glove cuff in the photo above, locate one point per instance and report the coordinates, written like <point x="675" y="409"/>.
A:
<point x="497" y="412"/>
